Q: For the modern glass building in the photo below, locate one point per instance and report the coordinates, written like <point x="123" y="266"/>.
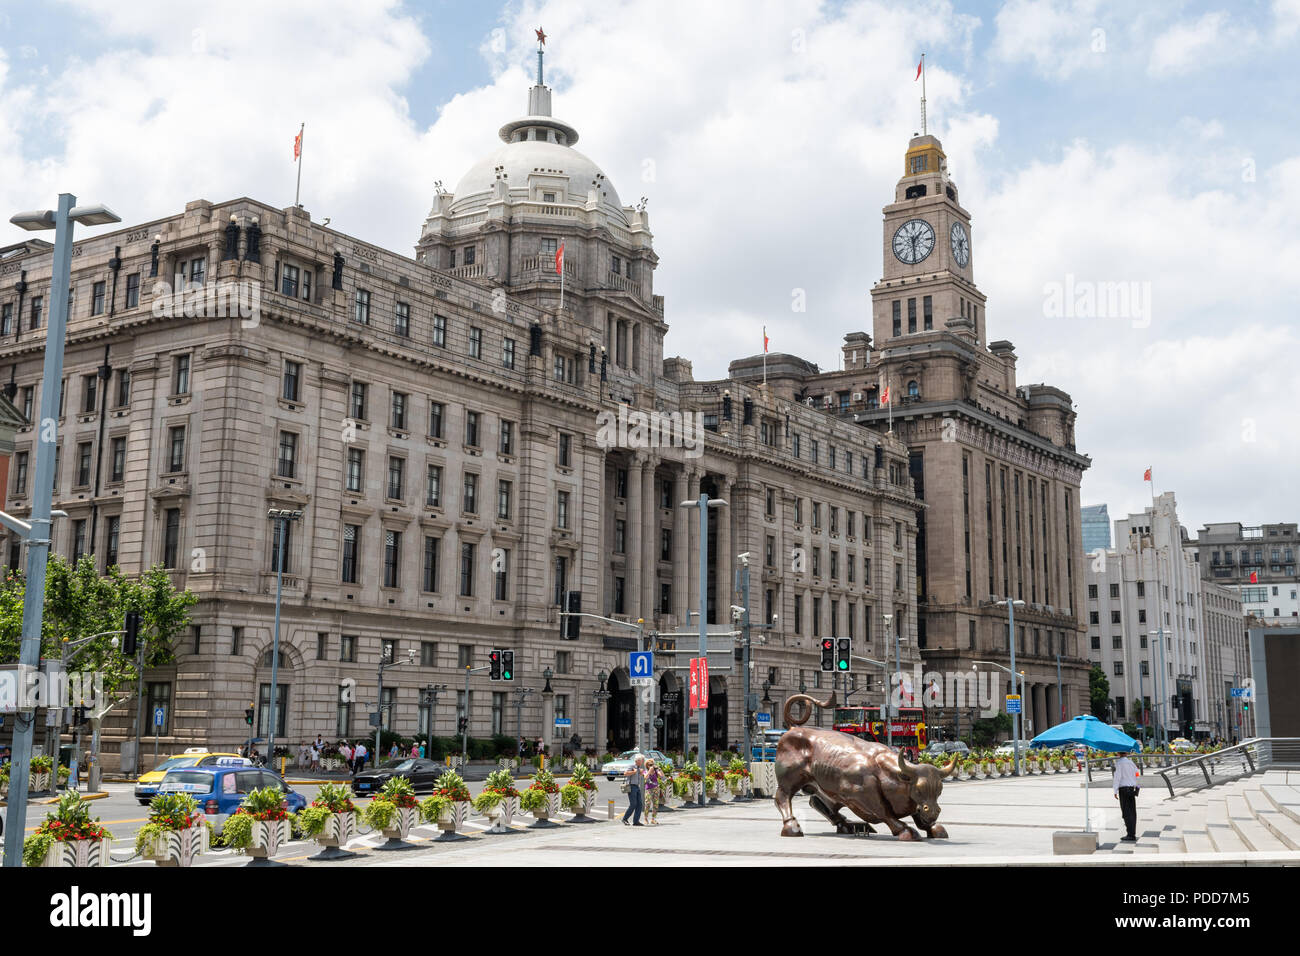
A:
<point x="1096" y="528"/>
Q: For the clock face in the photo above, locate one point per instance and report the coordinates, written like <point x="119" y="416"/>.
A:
<point x="913" y="241"/>
<point x="960" y="244"/>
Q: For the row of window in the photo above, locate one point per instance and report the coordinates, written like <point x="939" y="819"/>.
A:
<point x="10" y="319"/>
<point x="927" y="315"/>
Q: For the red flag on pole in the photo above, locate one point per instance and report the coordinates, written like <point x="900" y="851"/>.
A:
<point x="559" y="260"/>
<point x="918" y="69"/>
<point x="704" y="682"/>
<point x="297" y="145"/>
<point x="884" y="398"/>
<point x="695" y="683"/>
<point x="1254" y="577"/>
<point x="1146" y="475"/>
<point x="765" y="338"/>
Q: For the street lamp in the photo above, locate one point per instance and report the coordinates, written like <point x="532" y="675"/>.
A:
<point x="282" y="517"/>
<point x="1016" y="735"/>
<point x="431" y="692"/>
<point x="598" y="697"/>
<point x="889" y="722"/>
<point x="703" y="504"/>
<point x="379" y="702"/>
<point x="547" y="733"/>
<point x="36" y="529"/>
<point x="1011" y="643"/>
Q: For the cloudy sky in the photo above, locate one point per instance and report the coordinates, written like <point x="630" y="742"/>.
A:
<point x="1156" y="145"/>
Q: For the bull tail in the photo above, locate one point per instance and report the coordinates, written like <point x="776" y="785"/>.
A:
<point x="806" y="704"/>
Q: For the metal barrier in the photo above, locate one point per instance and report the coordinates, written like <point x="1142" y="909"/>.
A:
<point x="1199" y="771"/>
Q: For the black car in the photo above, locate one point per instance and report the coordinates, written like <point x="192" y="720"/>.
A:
<point x="421" y="773"/>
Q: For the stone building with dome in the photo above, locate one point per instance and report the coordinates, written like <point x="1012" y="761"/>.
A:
<point x="434" y="419"/>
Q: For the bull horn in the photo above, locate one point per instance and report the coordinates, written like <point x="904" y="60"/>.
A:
<point x="903" y="770"/>
<point x="947" y="771"/>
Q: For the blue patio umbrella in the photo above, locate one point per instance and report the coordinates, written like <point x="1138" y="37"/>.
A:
<point x="1090" y="732"/>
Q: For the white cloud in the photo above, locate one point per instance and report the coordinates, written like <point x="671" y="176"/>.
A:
<point x="1057" y="36"/>
<point x="777" y="132"/>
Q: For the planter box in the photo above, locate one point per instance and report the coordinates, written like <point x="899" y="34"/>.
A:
<point x="331" y="764"/>
<point x="450" y="820"/>
<point x="268" y="837"/>
<point x="403" y="820"/>
<point x="721" y="792"/>
<point x="78" y="853"/>
<point x="585" y="803"/>
<point x="38" y="781"/>
<point x="762" y="777"/>
<point x="340" y="828"/>
<point x="178" y="847"/>
<point x="509" y="809"/>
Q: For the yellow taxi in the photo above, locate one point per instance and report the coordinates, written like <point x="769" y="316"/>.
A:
<point x="146" y="787"/>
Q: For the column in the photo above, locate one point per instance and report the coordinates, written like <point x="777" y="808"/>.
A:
<point x="693" y="544"/>
<point x="547" y="733"/>
<point x="602" y="727"/>
<point x="681" y="561"/>
<point x="632" y="544"/>
<point x="649" y="541"/>
<point x="724" y="582"/>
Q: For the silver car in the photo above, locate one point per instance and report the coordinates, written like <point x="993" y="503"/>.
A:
<point x="623" y="762"/>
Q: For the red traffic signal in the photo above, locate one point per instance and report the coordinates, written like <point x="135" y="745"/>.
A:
<point x="828" y="654"/>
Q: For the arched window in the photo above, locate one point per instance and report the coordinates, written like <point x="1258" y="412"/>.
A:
<point x="266" y="659"/>
<point x="913" y="390"/>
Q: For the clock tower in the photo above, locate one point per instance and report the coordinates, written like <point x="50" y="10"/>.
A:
<point x="929" y="267"/>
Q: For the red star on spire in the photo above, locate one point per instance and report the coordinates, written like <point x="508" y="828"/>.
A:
<point x="541" y="37"/>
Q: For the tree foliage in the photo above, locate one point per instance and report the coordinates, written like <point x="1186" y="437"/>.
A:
<point x="79" y="602"/>
<point x="1099" y="693"/>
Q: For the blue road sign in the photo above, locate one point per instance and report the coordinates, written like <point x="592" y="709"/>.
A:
<point x="1013" y="703"/>
<point x="763" y="720"/>
<point x="158" y="714"/>
<point x="641" y="663"/>
<point x="563" y="721"/>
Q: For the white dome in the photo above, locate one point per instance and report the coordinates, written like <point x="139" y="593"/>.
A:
<point x="520" y="160"/>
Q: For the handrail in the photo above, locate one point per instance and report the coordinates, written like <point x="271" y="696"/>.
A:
<point x="1256" y="754"/>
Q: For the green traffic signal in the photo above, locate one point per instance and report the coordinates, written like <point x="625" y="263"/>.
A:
<point x="844" y="665"/>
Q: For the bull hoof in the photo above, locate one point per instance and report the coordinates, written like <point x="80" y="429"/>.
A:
<point x="844" y="828"/>
<point x="937" y="832"/>
<point x="791" y="829"/>
<point x="908" y="835"/>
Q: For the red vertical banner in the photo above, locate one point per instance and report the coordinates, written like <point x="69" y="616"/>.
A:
<point x="695" y="683"/>
<point x="704" y="682"/>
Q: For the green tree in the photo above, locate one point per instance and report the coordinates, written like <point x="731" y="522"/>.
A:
<point x="1099" y="692"/>
<point x="989" y="730"/>
<point x="80" y="602"/>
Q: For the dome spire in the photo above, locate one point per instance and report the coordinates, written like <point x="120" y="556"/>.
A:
<point x="541" y="43"/>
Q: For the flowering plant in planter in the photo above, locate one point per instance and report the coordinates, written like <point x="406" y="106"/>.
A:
<point x="331" y="799"/>
<point x="176" y="832"/>
<point x="538" y="798"/>
<point x="70" y="823"/>
<point x="260" y="824"/>
<point x="397" y="794"/>
<point x="500" y="786"/>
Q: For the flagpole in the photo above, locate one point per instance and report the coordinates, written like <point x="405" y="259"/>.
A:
<point x="765" y="356"/>
<point x="561" y="280"/>
<point x="302" y="137"/>
<point x="923" y="129"/>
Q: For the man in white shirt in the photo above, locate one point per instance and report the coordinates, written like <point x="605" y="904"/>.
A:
<point x="1125" y="788"/>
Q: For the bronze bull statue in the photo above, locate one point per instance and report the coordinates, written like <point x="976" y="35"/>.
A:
<point x="839" y="770"/>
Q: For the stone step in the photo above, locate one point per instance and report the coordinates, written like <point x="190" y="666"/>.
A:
<point x="1285" y="799"/>
<point x="1218" y="826"/>
<point x="1253" y="833"/>
<point x="1195" y="837"/>
<point x="1280" y="825"/>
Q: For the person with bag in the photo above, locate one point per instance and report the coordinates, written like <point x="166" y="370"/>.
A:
<point x="653" y="791"/>
<point x="634" y="779"/>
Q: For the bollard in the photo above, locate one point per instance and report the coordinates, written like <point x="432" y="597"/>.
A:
<point x="611" y="809"/>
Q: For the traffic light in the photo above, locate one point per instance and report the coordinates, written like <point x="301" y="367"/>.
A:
<point x="844" y="656"/>
<point x="507" y="665"/>
<point x="462" y="724"/>
<point x="494" y="665"/>
<point x="248" y="715"/>
<point x="573" y="606"/>
<point x="132" y="627"/>
<point x="828" y="654"/>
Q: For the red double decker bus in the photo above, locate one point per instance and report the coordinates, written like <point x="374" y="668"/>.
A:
<point x="865" y="722"/>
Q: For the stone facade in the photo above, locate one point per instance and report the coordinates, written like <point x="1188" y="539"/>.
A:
<point x="994" y="462"/>
<point x="439" y="428"/>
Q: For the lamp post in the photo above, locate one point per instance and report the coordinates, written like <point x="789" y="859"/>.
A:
<point x="77" y="647"/>
<point x="704" y="504"/>
<point x="547" y="733"/>
<point x="1159" y="684"/>
<point x="379" y="700"/>
<point x="889" y="690"/>
<point x="36" y="529"/>
<point x="1011" y="643"/>
<point x="282" y="517"/>
<point x="598" y="697"/>
<point x="431" y="692"/>
<point x="1014" y="675"/>
<point x="520" y="694"/>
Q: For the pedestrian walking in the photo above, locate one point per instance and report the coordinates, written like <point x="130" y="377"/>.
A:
<point x="634" y="777"/>
<point x="421" y="751"/>
<point x="653" y="791"/>
<point x="345" y="751"/>
<point x="1125" y="788"/>
<point x="415" y="752"/>
<point x="315" y="757"/>
<point x="360" y="755"/>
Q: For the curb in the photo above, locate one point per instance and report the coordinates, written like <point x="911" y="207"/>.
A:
<point x="101" y="795"/>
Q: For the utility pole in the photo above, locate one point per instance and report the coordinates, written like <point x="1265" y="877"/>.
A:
<point x="36" y="529"/>
<point x="704" y="504"/>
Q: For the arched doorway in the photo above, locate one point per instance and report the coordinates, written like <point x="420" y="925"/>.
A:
<point x="668" y="738"/>
<point x="717" y="729"/>
<point x="622" y="712"/>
